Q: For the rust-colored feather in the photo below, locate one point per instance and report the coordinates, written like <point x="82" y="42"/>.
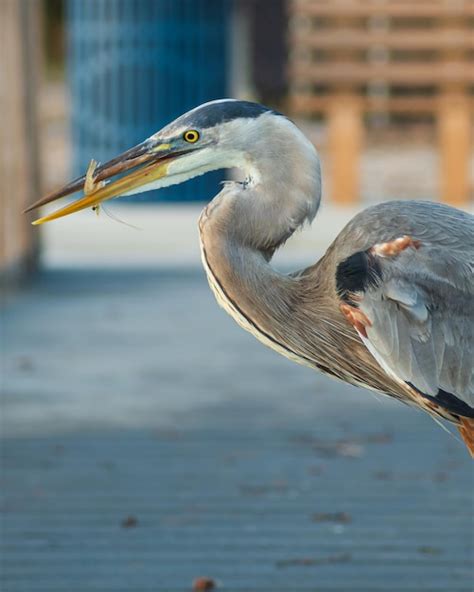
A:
<point x="466" y="429"/>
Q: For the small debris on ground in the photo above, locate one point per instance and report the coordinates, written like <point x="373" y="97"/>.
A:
<point x="24" y="364"/>
<point x="440" y="477"/>
<point x="339" y="517"/>
<point x="342" y="447"/>
<point x="428" y="550"/>
<point x="129" y="522"/>
<point x="203" y="584"/>
<point x="379" y="438"/>
<point x="311" y="561"/>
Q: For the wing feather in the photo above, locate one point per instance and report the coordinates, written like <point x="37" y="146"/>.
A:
<point x="422" y="321"/>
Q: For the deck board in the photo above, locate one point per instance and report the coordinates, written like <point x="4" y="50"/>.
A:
<point x="147" y="441"/>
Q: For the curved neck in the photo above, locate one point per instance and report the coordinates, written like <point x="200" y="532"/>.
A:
<point x="244" y="225"/>
<point x="296" y="315"/>
<point x="244" y="284"/>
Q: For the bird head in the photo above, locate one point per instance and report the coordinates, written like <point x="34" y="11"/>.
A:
<point x="216" y="135"/>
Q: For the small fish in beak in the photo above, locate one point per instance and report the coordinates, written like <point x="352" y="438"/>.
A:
<point x="91" y="184"/>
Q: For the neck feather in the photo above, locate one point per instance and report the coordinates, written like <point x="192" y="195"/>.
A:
<point x="258" y="298"/>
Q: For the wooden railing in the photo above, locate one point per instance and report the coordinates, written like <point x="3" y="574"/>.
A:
<point x="410" y="57"/>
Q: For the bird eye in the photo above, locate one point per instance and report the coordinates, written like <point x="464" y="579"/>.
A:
<point x="191" y="136"/>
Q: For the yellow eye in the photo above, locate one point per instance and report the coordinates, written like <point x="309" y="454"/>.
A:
<point x="191" y="136"/>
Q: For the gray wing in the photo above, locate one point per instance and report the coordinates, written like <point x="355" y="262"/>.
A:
<point x="421" y="313"/>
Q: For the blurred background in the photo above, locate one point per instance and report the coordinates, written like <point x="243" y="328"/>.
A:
<point x="147" y="441"/>
<point x="383" y="89"/>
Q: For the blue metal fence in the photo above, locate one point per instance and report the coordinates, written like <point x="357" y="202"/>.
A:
<point x="137" y="64"/>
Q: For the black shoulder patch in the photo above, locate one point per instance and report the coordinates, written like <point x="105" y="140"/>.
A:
<point x="357" y="273"/>
<point x="448" y="401"/>
<point x="215" y="113"/>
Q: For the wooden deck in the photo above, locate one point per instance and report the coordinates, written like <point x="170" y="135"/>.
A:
<point x="148" y="441"/>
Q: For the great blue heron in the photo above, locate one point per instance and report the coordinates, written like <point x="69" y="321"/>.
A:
<point x="390" y="306"/>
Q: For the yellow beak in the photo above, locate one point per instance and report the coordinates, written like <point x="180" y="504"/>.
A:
<point x="155" y="159"/>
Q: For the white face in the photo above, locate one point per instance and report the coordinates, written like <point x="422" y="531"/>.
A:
<point x="224" y="146"/>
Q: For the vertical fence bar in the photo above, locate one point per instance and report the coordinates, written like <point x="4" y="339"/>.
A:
<point x="345" y="142"/>
<point x="137" y="64"/>
<point x="454" y="140"/>
<point x="454" y="118"/>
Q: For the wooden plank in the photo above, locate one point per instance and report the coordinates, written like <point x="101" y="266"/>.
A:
<point x="308" y="103"/>
<point x="394" y="8"/>
<point x="416" y="39"/>
<point x="412" y="73"/>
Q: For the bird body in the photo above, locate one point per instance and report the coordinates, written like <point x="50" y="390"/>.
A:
<point x="304" y="321"/>
<point x="390" y="306"/>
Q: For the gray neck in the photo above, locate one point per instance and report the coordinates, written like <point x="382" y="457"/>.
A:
<point x="243" y="226"/>
<point x="245" y="285"/>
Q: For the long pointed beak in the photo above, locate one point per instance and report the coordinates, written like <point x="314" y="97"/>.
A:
<point x="151" y="158"/>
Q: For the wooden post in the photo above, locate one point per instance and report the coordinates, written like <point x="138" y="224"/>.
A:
<point x="454" y="126"/>
<point x="19" y="172"/>
<point x="345" y="128"/>
<point x="454" y="122"/>
<point x="345" y="140"/>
